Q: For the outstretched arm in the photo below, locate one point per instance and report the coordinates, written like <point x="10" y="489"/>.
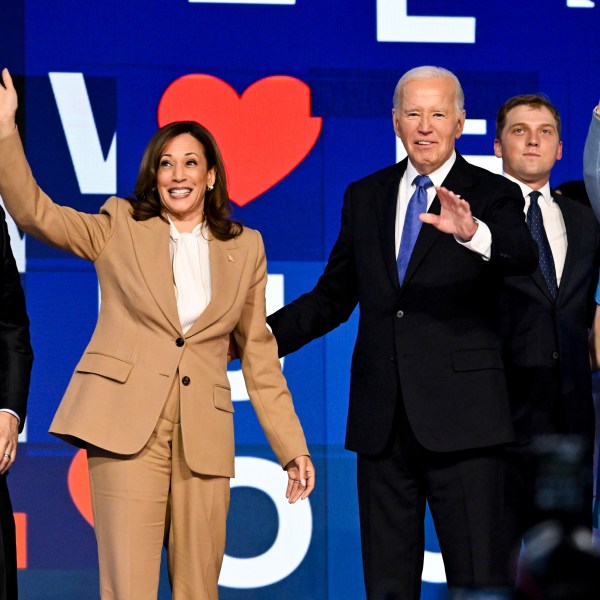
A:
<point x="33" y="211"/>
<point x="591" y="162"/>
<point x="329" y="303"/>
<point x="265" y="382"/>
<point x="501" y="235"/>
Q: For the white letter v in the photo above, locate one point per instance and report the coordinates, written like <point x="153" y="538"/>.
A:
<point x="94" y="174"/>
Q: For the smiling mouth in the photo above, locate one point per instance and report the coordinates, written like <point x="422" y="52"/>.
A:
<point x="180" y="192"/>
<point x="423" y="143"/>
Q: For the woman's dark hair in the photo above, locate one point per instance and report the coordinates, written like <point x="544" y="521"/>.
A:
<point x="146" y="202"/>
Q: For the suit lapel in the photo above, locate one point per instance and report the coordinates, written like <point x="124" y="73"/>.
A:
<point x="385" y="202"/>
<point x="151" y="246"/>
<point x="573" y="244"/>
<point x="539" y="280"/>
<point x="227" y="262"/>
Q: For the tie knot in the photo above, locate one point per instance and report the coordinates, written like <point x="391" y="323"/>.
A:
<point x="534" y="196"/>
<point x="422" y="181"/>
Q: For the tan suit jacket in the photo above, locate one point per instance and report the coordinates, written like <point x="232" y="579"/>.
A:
<point x="138" y="350"/>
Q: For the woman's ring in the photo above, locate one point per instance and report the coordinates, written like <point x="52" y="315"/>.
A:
<point x="7" y="456"/>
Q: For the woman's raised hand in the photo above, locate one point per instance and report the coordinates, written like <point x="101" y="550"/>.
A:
<point x="8" y="105"/>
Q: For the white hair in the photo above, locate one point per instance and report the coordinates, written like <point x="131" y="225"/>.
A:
<point x="429" y="72"/>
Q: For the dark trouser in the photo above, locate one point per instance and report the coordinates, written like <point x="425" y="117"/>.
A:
<point x="8" y="547"/>
<point x="465" y="491"/>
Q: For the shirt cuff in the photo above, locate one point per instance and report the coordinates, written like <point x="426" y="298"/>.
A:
<point x="12" y="412"/>
<point x="481" y="242"/>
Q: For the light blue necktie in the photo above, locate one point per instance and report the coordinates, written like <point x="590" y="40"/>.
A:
<point x="412" y="225"/>
<point x="538" y="233"/>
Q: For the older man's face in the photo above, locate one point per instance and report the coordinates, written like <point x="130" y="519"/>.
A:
<point x="428" y="121"/>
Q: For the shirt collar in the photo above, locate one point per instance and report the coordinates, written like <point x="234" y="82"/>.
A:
<point x="176" y="235"/>
<point x="437" y="177"/>
<point x="526" y="190"/>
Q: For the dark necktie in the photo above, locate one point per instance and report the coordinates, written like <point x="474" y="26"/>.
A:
<point x="412" y="225"/>
<point x="538" y="233"/>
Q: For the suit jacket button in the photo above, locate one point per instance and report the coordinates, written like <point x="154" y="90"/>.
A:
<point x="185" y="380"/>
<point x="179" y="342"/>
<point x="400" y="314"/>
<point x="555" y="355"/>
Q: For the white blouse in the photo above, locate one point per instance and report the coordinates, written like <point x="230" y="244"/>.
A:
<point x="191" y="272"/>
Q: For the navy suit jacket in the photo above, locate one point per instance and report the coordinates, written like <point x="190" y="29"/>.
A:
<point x="545" y="342"/>
<point x="432" y="341"/>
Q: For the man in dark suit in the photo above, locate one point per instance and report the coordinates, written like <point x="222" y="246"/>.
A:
<point x="546" y="315"/>
<point x="429" y="414"/>
<point x="15" y="367"/>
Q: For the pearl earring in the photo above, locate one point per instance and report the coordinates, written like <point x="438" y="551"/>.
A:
<point x="210" y="188"/>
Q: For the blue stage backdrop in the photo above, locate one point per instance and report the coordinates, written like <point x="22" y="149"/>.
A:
<point x="298" y="94"/>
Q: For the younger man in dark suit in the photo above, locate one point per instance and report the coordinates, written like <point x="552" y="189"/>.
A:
<point x="546" y="315"/>
<point x="15" y="367"/>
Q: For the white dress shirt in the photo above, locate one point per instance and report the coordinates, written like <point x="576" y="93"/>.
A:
<point x="554" y="224"/>
<point x="191" y="272"/>
<point x="481" y="243"/>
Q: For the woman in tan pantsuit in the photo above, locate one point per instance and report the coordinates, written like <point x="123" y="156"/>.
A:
<point x="150" y="398"/>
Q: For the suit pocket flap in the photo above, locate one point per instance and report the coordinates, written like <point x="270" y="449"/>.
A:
<point x="222" y="398"/>
<point x="477" y="358"/>
<point x="105" y="365"/>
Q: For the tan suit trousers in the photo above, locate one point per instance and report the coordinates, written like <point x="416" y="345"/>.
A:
<point x="143" y="501"/>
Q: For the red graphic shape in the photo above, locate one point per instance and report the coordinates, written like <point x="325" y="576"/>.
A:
<point x="79" y="486"/>
<point x="21" y="533"/>
<point x="264" y="134"/>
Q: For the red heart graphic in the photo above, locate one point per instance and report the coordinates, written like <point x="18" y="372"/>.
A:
<point x="264" y="134"/>
<point x="79" y="486"/>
